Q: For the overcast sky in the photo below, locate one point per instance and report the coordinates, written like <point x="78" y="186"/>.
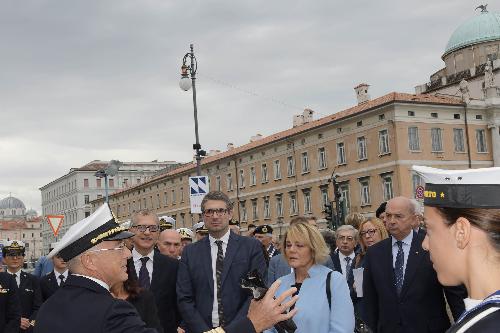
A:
<point x="98" y="79"/>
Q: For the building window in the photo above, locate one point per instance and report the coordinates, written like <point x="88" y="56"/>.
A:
<point x="362" y="148"/>
<point x="229" y="182"/>
<point x="145" y="204"/>
<point x="265" y="177"/>
<point x="242" y="178"/>
<point x="434" y="114"/>
<point x="324" y="196"/>
<point x="481" y="141"/>
<point x="86" y="199"/>
<point x="345" y="198"/>
<point x="383" y="142"/>
<point x="413" y="139"/>
<point x="253" y="176"/>
<point x="307" y="201"/>
<point x="341" y="153"/>
<point x="387" y="187"/>
<point x="85" y="183"/>
<point x="290" y="166"/>
<point x="305" y="162"/>
<point x="98" y="182"/>
<point x="182" y="194"/>
<point x="244" y="215"/>
<point x="279" y="205"/>
<point x="165" y="196"/>
<point x="255" y="212"/>
<point x="411" y="113"/>
<point x="138" y="180"/>
<point x="277" y="170"/>
<point x="173" y="197"/>
<point x="456" y="116"/>
<point x="217" y="183"/>
<point x="293" y="203"/>
<point x="479" y="117"/>
<point x="267" y="209"/>
<point x="381" y="116"/>
<point x="111" y="183"/>
<point x="365" y="191"/>
<point x="322" y="158"/>
<point x="458" y="139"/>
<point x="437" y="139"/>
<point x="125" y="182"/>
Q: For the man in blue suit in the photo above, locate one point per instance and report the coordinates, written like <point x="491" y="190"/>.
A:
<point x="208" y="282"/>
<point x="400" y="287"/>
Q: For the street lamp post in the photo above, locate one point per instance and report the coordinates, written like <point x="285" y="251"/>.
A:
<point x="110" y="170"/>
<point x="280" y="224"/>
<point x="187" y="70"/>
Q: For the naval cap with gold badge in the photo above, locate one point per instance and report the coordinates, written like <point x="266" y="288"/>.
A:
<point x="166" y="222"/>
<point x="13" y="248"/>
<point x="98" y="227"/>
<point x="264" y="229"/>
<point x="200" y="228"/>
<point x="471" y="188"/>
<point x="185" y="233"/>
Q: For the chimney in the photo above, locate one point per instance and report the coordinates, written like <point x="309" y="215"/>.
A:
<point x="256" y="137"/>
<point x="362" y="93"/>
<point x="230" y="146"/>
<point x="213" y="152"/>
<point x="304" y="118"/>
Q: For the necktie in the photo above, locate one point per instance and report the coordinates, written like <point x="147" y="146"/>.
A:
<point x="398" y="267"/>
<point x="144" y="281"/>
<point x="348" y="270"/>
<point x="15" y="278"/>
<point x="219" y="264"/>
<point x="61" y="280"/>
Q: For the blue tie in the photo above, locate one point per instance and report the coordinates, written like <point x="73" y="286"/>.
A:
<point x="144" y="281"/>
<point x="398" y="269"/>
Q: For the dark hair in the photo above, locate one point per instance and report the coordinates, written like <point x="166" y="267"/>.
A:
<point x="485" y="219"/>
<point x="329" y="237"/>
<point x="381" y="209"/>
<point x="218" y="196"/>
<point x="131" y="285"/>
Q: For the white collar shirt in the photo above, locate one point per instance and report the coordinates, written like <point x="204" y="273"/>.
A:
<point x="58" y="279"/>
<point x="136" y="257"/>
<point x="406" y="250"/>
<point x="343" y="262"/>
<point x="213" y="253"/>
<point x="99" y="282"/>
<point x="17" y="276"/>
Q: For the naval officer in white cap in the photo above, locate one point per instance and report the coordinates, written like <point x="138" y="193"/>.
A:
<point x="97" y="258"/>
<point x="462" y="218"/>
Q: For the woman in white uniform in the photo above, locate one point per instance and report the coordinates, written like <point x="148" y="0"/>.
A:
<point x="462" y="218"/>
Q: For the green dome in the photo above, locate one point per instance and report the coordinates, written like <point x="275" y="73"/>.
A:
<point x="484" y="27"/>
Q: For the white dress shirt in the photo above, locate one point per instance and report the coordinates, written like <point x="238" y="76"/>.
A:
<point x="213" y="253"/>
<point x="136" y="257"/>
<point x="99" y="282"/>
<point x="343" y="263"/>
<point x="406" y="250"/>
<point x="17" y="276"/>
<point x="57" y="274"/>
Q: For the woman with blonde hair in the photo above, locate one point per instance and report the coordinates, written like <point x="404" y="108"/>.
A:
<point x="371" y="232"/>
<point x="324" y="303"/>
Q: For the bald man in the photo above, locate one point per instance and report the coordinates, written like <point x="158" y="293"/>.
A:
<point x="169" y="243"/>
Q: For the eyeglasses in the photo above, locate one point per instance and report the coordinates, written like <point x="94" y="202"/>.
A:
<point x="122" y="247"/>
<point x="14" y="254"/>
<point x="143" y="227"/>
<point x="219" y="211"/>
<point x="346" y="238"/>
<point x="369" y="232"/>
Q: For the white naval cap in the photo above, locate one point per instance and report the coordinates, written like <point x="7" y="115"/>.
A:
<point x="471" y="188"/>
<point x="98" y="227"/>
<point x="186" y="233"/>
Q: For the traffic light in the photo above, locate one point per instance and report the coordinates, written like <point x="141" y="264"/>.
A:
<point x="329" y="212"/>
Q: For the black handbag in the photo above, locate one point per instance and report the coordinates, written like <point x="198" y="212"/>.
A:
<point x="359" y="324"/>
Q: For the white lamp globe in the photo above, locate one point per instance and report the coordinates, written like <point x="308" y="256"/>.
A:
<point x="185" y="83"/>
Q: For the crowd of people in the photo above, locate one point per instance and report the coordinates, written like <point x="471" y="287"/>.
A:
<point x="405" y="269"/>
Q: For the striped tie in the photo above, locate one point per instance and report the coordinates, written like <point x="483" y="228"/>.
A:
<point x="219" y="264"/>
<point x="398" y="267"/>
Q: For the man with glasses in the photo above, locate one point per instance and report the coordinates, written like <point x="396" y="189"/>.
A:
<point x="97" y="258"/>
<point x="401" y="292"/>
<point x="210" y="271"/>
<point x="55" y="279"/>
<point x="28" y="286"/>
<point x="153" y="270"/>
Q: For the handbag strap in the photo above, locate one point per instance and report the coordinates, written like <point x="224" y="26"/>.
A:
<point x="328" y="289"/>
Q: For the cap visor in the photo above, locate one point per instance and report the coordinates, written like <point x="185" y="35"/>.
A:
<point x="121" y="235"/>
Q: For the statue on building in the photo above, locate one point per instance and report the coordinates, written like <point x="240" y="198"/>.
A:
<point x="489" y="77"/>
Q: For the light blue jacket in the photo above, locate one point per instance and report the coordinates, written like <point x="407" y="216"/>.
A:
<point x="314" y="315"/>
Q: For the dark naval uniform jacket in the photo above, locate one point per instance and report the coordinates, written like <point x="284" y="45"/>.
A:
<point x="10" y="308"/>
<point x="48" y="285"/>
<point x="272" y="251"/>
<point x="30" y="295"/>
<point x="83" y="306"/>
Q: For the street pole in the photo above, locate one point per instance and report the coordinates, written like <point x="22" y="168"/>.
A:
<point x="106" y="186"/>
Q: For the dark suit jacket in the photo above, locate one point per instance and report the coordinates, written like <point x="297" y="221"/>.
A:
<point x="145" y="305"/>
<point x="83" y="306"/>
<point x="30" y="294"/>
<point x="195" y="280"/>
<point x="10" y="308"/>
<point x="421" y="306"/>
<point x="48" y="285"/>
<point x="163" y="283"/>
